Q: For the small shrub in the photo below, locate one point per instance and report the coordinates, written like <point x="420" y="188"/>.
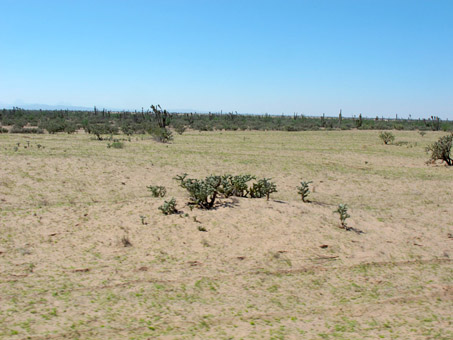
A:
<point x="264" y="187"/>
<point x="342" y="210"/>
<point x="157" y="191"/>
<point x="180" y="129"/>
<point x="203" y="193"/>
<point x="116" y="145"/>
<point x="235" y="185"/>
<point x="162" y="135"/>
<point x="125" y="241"/>
<point x="441" y="150"/>
<point x="169" y="207"/>
<point x="20" y="129"/>
<point x="387" y="137"/>
<point x="304" y="190"/>
<point x="422" y="133"/>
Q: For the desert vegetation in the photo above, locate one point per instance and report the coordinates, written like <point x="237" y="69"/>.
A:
<point x="160" y="123"/>
<point x="92" y="248"/>
<point x="441" y="150"/>
<point x="304" y="190"/>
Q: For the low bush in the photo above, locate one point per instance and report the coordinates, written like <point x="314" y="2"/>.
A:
<point x="264" y="187"/>
<point x="162" y="135"/>
<point x="203" y="193"/>
<point x="441" y="150"/>
<point x="115" y="145"/>
<point x="342" y="210"/>
<point x="387" y="137"/>
<point x="235" y="185"/>
<point x="304" y="190"/>
<point x="180" y="129"/>
<point x="157" y="191"/>
<point x="20" y="129"/>
<point x="169" y="207"/>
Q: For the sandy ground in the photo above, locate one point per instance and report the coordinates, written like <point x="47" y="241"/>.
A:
<point x="278" y="269"/>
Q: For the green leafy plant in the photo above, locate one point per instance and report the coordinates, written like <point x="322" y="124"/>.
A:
<point x="203" y="193"/>
<point x="162" y="135"/>
<point x="387" y="137"/>
<point x="422" y="133"/>
<point x="180" y="129"/>
<point x="342" y="210"/>
<point x="235" y="185"/>
<point x="157" y="191"/>
<point x="264" y="187"/>
<point x="115" y="145"/>
<point x="169" y="207"/>
<point x="441" y="150"/>
<point x="304" y="190"/>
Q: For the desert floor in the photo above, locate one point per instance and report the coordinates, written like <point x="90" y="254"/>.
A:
<point x="277" y="269"/>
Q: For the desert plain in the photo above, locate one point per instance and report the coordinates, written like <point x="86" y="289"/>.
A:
<point x="247" y="269"/>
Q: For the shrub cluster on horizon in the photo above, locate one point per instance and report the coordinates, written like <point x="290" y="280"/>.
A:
<point x="157" y="122"/>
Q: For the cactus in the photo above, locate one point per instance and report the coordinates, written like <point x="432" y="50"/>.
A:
<point x="169" y="207"/>
<point x="304" y="190"/>
<point x="441" y="150"/>
<point x="203" y="193"/>
<point x="157" y="191"/>
<point x="387" y="137"/>
<point x="343" y="211"/>
<point x="264" y="187"/>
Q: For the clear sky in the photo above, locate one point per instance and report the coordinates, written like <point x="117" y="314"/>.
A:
<point x="374" y="57"/>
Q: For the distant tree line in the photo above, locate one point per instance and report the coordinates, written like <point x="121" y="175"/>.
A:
<point x="156" y="121"/>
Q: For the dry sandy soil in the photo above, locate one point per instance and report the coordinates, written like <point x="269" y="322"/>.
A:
<point x="277" y="269"/>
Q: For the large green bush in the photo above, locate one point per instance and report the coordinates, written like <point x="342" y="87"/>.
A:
<point x="203" y="193"/>
<point x="441" y="150"/>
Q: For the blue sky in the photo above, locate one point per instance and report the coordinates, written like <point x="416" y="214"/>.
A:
<point x="310" y="57"/>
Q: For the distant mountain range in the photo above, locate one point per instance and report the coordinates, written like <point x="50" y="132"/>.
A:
<point x="45" y="107"/>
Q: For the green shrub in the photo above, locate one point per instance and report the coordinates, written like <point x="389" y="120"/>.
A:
<point x="342" y="210"/>
<point x="263" y="188"/>
<point x="387" y="137"/>
<point x="115" y="145"/>
<point x="180" y="129"/>
<point x="157" y="191"/>
<point x="203" y="193"/>
<point x="304" y="190"/>
<point x="169" y="207"/>
<point x="441" y="150"/>
<point x="235" y="185"/>
<point x="162" y="135"/>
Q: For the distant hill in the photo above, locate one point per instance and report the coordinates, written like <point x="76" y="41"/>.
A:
<point x="46" y="107"/>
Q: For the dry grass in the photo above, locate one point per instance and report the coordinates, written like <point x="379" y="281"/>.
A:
<point x="258" y="271"/>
